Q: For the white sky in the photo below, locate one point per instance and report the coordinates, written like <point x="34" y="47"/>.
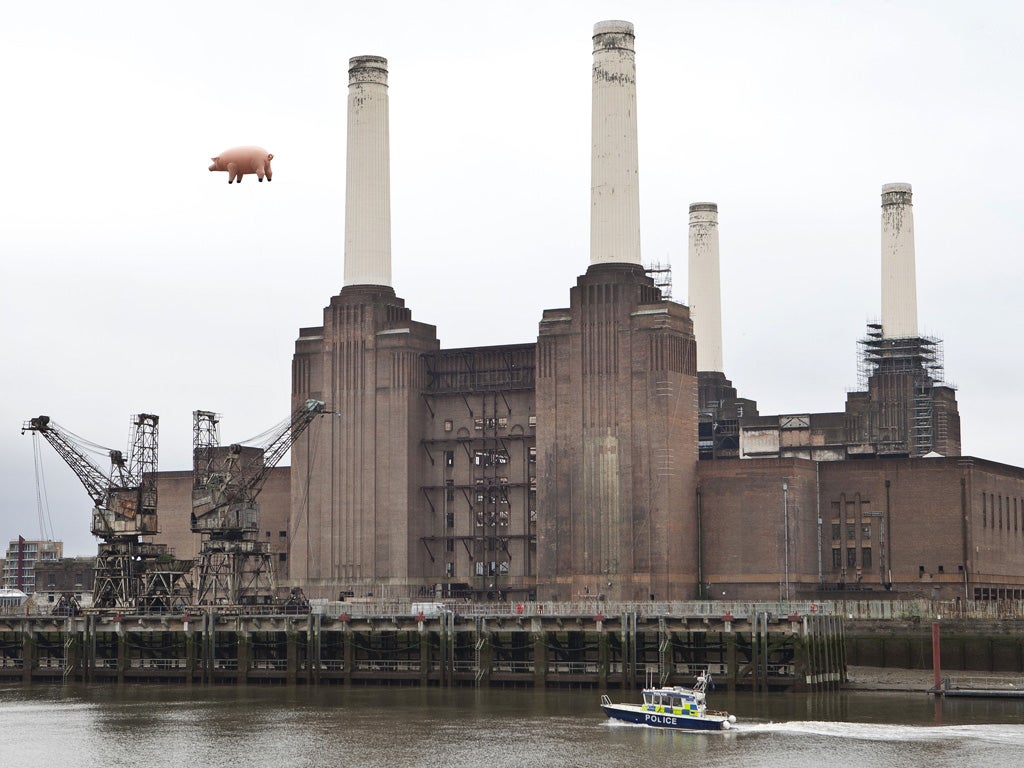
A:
<point x="133" y="280"/>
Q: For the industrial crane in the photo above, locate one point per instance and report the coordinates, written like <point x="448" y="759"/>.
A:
<point x="234" y="566"/>
<point x="129" y="573"/>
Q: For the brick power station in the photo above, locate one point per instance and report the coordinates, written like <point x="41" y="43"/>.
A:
<point x="612" y="456"/>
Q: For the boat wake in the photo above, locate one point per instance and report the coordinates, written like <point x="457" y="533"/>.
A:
<point x="994" y="733"/>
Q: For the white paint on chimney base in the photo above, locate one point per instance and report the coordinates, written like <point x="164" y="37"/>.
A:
<point x="368" y="174"/>
<point x="704" y="285"/>
<point x="614" y="188"/>
<point x="899" y="279"/>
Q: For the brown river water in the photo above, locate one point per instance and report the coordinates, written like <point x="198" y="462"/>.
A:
<point x="151" y="726"/>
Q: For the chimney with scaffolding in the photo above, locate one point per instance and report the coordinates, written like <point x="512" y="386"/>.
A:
<point x="903" y="408"/>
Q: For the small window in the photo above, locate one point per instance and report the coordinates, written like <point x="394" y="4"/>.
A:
<point x="533" y="421"/>
<point x="449" y="545"/>
<point x="478" y="424"/>
<point x="942" y="569"/>
<point x="282" y="534"/>
<point x="837" y="558"/>
<point x="851" y="557"/>
<point x="865" y="531"/>
<point x="449" y="425"/>
<point x="920" y="570"/>
<point x="282" y="557"/>
<point x="837" y="531"/>
<point x="449" y="458"/>
<point x="502" y="422"/>
<point x="533" y="454"/>
<point x="865" y="557"/>
<point x="449" y="570"/>
<point x="851" y="532"/>
<point x="449" y="520"/>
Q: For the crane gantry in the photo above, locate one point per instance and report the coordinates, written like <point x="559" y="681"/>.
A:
<point x="130" y="572"/>
<point x="234" y="567"/>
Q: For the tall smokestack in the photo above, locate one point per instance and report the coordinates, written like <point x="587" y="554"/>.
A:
<point x="368" y="174"/>
<point x="614" y="190"/>
<point x="899" y="281"/>
<point x="704" y="285"/>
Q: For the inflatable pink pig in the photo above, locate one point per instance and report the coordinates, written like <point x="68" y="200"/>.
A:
<point x="242" y="160"/>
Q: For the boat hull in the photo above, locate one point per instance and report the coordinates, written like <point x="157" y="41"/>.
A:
<point x="634" y="714"/>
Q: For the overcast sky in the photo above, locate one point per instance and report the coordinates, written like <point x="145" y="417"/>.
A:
<point x="133" y="280"/>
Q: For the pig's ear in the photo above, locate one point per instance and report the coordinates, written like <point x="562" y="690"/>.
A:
<point x="215" y="159"/>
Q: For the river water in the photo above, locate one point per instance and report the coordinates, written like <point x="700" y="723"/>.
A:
<point x="150" y="726"/>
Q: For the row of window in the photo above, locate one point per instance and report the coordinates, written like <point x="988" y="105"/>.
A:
<point x="499" y="517"/>
<point x="851" y="531"/>
<point x="992" y="511"/>
<point x="851" y="557"/>
<point x="494" y="492"/>
<point x="481" y="568"/>
<point x="490" y="457"/>
<point x="487" y="422"/>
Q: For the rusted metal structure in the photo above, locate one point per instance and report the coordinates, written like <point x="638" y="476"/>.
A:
<point x="130" y="572"/>
<point x="234" y="566"/>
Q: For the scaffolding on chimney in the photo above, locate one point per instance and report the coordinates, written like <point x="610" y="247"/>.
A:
<point x="919" y="358"/>
<point x="662" y="276"/>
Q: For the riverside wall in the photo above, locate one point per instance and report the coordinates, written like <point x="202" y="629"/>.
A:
<point x="745" y="646"/>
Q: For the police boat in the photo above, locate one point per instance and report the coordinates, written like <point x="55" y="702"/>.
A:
<point x="673" y="707"/>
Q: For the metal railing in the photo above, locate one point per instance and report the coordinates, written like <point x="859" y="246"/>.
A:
<point x="987" y="683"/>
<point x="382" y="665"/>
<point x="278" y="665"/>
<point x="157" y="663"/>
<point x="909" y="609"/>
<point x="573" y="668"/>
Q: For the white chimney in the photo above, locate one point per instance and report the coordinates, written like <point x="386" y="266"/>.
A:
<point x="614" y="190"/>
<point x="704" y="285"/>
<point x="368" y="174"/>
<point x="899" y="280"/>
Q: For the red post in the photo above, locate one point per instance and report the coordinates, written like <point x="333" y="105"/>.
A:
<point x="936" y="656"/>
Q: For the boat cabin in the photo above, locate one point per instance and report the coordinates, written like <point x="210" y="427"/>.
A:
<point x="676" y="701"/>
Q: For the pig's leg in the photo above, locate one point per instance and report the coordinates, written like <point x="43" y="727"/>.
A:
<point x="233" y="172"/>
